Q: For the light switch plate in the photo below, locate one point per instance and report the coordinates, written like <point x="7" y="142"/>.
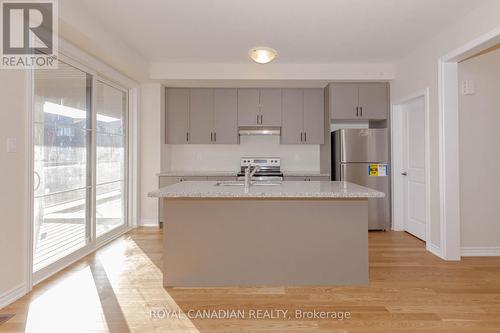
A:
<point x="468" y="87"/>
<point x="11" y="145"/>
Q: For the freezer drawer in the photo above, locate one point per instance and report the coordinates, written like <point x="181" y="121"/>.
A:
<point x="378" y="209"/>
<point x="362" y="145"/>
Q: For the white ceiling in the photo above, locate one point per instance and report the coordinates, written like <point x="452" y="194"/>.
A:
<point x="302" y="31"/>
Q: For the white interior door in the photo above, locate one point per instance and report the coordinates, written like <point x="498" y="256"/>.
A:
<point x="413" y="171"/>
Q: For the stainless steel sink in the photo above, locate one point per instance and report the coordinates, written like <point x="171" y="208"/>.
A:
<point x="242" y="183"/>
<point x="230" y="183"/>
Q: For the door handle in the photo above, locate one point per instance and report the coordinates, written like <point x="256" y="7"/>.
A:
<point x="361" y="110"/>
<point x="305" y="136"/>
<point x="404" y="173"/>
<point x="39" y="181"/>
<point x="258" y="119"/>
<point x="215" y="136"/>
<point x="301" y="136"/>
<point x="261" y="119"/>
<point x="187" y="136"/>
<point x="211" y="137"/>
<point x="357" y="111"/>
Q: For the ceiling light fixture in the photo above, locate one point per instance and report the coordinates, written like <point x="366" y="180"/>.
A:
<point x="262" y="54"/>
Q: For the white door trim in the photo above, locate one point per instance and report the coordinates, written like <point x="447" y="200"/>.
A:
<point x="397" y="160"/>
<point x="449" y="177"/>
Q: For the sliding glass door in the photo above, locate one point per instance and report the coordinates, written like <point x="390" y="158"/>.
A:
<point x="111" y="106"/>
<point x="62" y="155"/>
<point x="80" y="153"/>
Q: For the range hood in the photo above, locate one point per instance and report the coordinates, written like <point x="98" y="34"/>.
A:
<point x="259" y="131"/>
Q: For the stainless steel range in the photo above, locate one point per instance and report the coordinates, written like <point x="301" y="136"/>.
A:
<point x="269" y="168"/>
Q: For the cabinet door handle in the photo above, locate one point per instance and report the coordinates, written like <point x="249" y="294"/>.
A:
<point x="357" y="111"/>
<point x="215" y="136"/>
<point x="187" y="136"/>
<point x="301" y="136"/>
<point x="361" y="109"/>
<point x="305" y="136"/>
<point x="211" y="137"/>
<point x="258" y="119"/>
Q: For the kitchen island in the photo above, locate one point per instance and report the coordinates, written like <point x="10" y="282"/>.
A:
<point x="293" y="233"/>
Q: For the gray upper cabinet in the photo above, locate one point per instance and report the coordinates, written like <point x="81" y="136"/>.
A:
<point x="225" y="116"/>
<point x="373" y="100"/>
<point x="292" y="128"/>
<point x="248" y="107"/>
<point x="314" y="116"/>
<point x="201" y="116"/>
<point x="259" y="107"/>
<point x="355" y="101"/>
<point x="303" y="116"/>
<point x="270" y="107"/>
<point x="343" y="100"/>
<point x="177" y="115"/>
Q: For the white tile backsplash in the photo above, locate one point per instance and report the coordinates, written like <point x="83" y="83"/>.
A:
<point x="227" y="157"/>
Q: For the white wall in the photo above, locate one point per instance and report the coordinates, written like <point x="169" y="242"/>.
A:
<point x="152" y="95"/>
<point x="83" y="29"/>
<point x="13" y="210"/>
<point x="420" y="70"/>
<point x="479" y="158"/>
<point x="227" y="157"/>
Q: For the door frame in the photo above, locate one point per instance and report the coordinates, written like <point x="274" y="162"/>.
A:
<point x="397" y="153"/>
<point x="449" y="176"/>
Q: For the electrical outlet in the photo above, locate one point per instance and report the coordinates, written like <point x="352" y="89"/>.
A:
<point x="468" y="87"/>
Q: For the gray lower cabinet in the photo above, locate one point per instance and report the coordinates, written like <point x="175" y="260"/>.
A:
<point x="359" y="101"/>
<point x="307" y="178"/>
<point x="259" y="107"/>
<point x="177" y="115"/>
<point x="302" y="116"/>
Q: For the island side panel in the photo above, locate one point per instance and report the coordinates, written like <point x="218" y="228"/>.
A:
<point x="224" y="242"/>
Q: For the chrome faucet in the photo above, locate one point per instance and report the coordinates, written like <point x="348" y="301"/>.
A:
<point x="248" y="176"/>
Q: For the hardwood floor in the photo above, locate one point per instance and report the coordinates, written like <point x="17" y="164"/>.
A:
<point x="118" y="289"/>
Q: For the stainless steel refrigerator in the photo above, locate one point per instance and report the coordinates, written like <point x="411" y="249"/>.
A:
<point x="361" y="156"/>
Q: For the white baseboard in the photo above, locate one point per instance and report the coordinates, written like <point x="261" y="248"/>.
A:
<point x="480" y="251"/>
<point x="434" y="249"/>
<point x="12" y="295"/>
<point x="149" y="223"/>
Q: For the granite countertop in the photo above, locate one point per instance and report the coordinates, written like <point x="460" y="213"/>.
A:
<point x="287" y="189"/>
<point x="234" y="173"/>
<point x="197" y="174"/>
<point x="305" y="174"/>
